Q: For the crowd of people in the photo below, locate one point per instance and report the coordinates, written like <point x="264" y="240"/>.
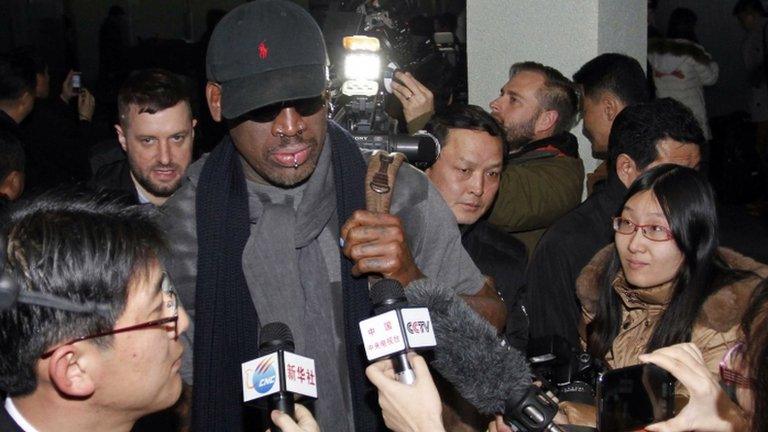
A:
<point x="143" y="288"/>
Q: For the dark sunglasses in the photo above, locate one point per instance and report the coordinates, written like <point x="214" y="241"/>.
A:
<point x="305" y="107"/>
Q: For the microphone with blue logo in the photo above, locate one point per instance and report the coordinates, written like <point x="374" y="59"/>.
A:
<point x="278" y="374"/>
<point x="396" y="329"/>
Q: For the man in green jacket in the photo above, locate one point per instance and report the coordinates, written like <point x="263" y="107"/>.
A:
<point x="543" y="179"/>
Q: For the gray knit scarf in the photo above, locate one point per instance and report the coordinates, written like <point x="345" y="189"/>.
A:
<point x="283" y="261"/>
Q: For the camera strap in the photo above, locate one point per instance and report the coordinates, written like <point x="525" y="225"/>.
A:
<point x="379" y="184"/>
<point x="380" y="180"/>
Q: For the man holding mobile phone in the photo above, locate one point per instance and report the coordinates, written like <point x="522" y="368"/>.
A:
<point x="73" y="87"/>
<point x="57" y="136"/>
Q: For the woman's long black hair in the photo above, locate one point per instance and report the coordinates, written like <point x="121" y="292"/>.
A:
<point x="688" y="203"/>
<point x="682" y="25"/>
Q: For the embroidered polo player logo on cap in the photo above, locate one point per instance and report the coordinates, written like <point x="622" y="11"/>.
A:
<point x="263" y="50"/>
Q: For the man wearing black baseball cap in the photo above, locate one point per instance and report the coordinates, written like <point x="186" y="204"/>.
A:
<point x="256" y="228"/>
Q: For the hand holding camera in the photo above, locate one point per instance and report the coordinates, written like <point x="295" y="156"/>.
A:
<point x="709" y="408"/>
<point x="417" y="100"/>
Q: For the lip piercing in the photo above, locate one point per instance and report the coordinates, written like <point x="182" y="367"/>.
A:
<point x="295" y="162"/>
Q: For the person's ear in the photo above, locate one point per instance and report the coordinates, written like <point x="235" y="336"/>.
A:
<point x="626" y="169"/>
<point x="194" y="123"/>
<point x="26" y="104"/>
<point x="546" y="121"/>
<point x="68" y="374"/>
<point x="13" y="185"/>
<point x="612" y="106"/>
<point x="121" y="137"/>
<point x="213" y="95"/>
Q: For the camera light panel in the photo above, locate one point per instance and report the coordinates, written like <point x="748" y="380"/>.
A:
<point x="362" y="66"/>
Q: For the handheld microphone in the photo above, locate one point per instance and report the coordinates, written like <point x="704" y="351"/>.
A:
<point x="396" y="328"/>
<point x="489" y="374"/>
<point x="278" y="374"/>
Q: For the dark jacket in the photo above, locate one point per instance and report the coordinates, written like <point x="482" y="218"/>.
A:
<point x="542" y="182"/>
<point x="502" y="257"/>
<point x="7" y="124"/>
<point x="562" y="252"/>
<point x="433" y="242"/>
<point x="116" y="177"/>
<point x="56" y="145"/>
<point x="6" y="422"/>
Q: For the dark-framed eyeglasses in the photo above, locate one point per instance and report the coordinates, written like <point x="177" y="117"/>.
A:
<point x="305" y="107"/>
<point x="170" y="307"/>
<point x="656" y="233"/>
<point x="732" y="362"/>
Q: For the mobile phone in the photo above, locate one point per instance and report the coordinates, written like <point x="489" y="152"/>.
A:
<point x="633" y="397"/>
<point x="77" y="82"/>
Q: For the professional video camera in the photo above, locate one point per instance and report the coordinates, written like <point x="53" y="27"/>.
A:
<point x="362" y="70"/>
<point x="569" y="372"/>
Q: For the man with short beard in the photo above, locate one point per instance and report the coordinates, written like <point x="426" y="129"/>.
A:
<point x="156" y="130"/>
<point x="271" y="226"/>
<point x="543" y="179"/>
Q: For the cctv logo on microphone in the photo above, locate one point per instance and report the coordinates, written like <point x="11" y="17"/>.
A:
<point x="260" y="377"/>
<point x="418" y="327"/>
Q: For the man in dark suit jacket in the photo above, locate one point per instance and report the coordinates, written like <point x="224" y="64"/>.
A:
<point x="91" y="335"/>
<point x="156" y="130"/>
<point x="466" y="173"/>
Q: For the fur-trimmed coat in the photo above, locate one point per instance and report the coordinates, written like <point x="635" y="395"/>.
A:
<point x="716" y="329"/>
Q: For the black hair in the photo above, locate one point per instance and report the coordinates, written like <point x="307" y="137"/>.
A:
<point x="615" y="73"/>
<point x="152" y="90"/>
<point x="30" y="52"/>
<point x="558" y="93"/>
<point x="11" y="154"/>
<point x="445" y="22"/>
<point x="638" y="128"/>
<point x="77" y="246"/>
<point x="688" y="203"/>
<point x="749" y="6"/>
<point x="465" y="117"/>
<point x="17" y="76"/>
<point x="682" y="25"/>
<point x="755" y="326"/>
<point x="116" y="10"/>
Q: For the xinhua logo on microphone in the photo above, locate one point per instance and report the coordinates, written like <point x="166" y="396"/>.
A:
<point x="264" y="375"/>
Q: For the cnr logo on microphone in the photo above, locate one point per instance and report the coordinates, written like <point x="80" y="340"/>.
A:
<point x="260" y="377"/>
<point x="264" y="376"/>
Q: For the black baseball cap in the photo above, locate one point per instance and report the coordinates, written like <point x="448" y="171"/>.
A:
<point x="263" y="52"/>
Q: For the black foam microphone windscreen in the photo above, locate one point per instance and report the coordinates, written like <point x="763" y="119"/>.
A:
<point x="469" y="354"/>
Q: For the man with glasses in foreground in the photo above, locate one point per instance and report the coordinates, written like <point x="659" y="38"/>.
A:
<point x="270" y="227"/>
<point x="89" y="322"/>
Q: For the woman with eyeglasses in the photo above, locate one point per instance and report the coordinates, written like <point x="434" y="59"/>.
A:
<point x="665" y="281"/>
